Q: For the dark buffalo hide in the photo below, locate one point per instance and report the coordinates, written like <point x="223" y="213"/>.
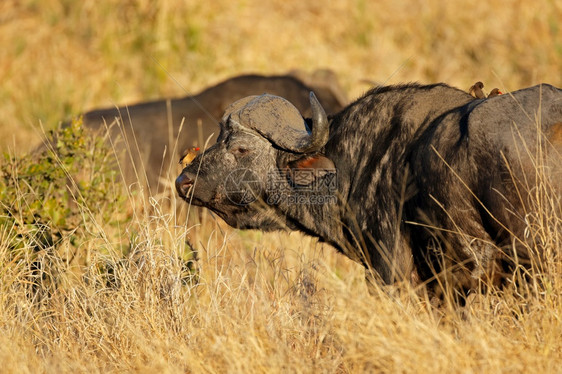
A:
<point x="412" y="181"/>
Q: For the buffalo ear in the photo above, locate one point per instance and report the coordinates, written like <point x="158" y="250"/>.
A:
<point x="306" y="170"/>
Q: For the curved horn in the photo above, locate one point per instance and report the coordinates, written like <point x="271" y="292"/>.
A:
<point x="320" y="125"/>
<point x="280" y="122"/>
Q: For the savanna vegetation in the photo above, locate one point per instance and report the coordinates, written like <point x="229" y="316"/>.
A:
<point x="96" y="276"/>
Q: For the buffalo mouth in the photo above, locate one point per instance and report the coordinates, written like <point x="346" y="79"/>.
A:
<point x="192" y="200"/>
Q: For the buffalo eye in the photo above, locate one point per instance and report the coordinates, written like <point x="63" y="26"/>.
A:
<point x="240" y="151"/>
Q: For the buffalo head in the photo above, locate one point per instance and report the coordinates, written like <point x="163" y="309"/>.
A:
<point x="267" y="156"/>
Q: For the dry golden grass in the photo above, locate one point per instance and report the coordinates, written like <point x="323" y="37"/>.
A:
<point x="258" y="302"/>
<point x="261" y="303"/>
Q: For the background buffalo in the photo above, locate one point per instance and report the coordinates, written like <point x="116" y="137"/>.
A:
<point x="150" y="131"/>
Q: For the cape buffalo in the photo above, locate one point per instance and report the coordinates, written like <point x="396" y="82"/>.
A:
<point x="410" y="180"/>
<point x="154" y="126"/>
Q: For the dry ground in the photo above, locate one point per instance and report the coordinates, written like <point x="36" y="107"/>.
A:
<point x="255" y="302"/>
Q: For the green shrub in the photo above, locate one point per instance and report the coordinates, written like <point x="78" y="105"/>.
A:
<point x="54" y="200"/>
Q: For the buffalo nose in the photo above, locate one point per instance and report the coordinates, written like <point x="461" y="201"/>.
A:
<point x="183" y="184"/>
